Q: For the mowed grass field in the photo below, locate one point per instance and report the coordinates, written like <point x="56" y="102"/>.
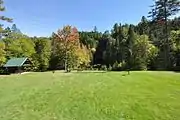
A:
<point x="90" y="96"/>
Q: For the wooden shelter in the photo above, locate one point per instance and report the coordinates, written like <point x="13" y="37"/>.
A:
<point x="17" y="65"/>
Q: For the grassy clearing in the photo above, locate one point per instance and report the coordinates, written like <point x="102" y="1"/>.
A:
<point x="90" y="96"/>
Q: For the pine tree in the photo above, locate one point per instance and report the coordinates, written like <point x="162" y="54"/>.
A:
<point x="122" y="41"/>
<point x="14" y="29"/>
<point x="108" y="55"/>
<point x="2" y="8"/>
<point x="143" y="26"/>
<point x="161" y="11"/>
<point x="95" y="29"/>
<point x="129" y="49"/>
<point x="101" y="47"/>
<point x="115" y="31"/>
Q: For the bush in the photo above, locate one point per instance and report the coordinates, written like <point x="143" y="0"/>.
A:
<point x="116" y="67"/>
<point x="123" y="65"/>
<point x="3" y="72"/>
<point x="97" y="67"/>
<point x="79" y="69"/>
<point x="68" y="70"/>
<point x="104" y="67"/>
<point x="91" y="68"/>
<point x="110" y="68"/>
<point x="140" y="65"/>
<point x="119" y="66"/>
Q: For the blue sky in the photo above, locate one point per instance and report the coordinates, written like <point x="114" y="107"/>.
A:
<point x="42" y="17"/>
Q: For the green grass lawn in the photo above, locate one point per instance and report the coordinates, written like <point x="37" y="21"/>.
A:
<point x="90" y="96"/>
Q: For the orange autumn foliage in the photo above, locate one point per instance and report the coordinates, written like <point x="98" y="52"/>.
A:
<point x="67" y="46"/>
<point x="68" y="34"/>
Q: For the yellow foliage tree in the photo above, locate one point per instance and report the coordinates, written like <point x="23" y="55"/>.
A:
<point x="83" y="56"/>
<point x="2" y="53"/>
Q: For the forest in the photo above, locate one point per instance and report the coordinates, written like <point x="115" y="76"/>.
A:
<point x="151" y="44"/>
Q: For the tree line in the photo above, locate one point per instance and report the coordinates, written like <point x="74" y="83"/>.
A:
<point x="152" y="44"/>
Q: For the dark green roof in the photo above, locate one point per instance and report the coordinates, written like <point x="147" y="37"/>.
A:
<point x="15" y="62"/>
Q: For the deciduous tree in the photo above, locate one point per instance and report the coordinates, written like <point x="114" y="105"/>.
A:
<point x="65" y="43"/>
<point x="2" y="53"/>
<point x="43" y="51"/>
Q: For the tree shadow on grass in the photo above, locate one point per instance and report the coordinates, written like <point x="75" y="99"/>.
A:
<point x="124" y="75"/>
<point x="91" y="72"/>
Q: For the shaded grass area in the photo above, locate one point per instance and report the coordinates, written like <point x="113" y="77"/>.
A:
<point x="90" y="96"/>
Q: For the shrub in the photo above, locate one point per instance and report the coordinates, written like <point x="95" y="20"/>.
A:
<point x="110" y="68"/>
<point x="115" y="66"/>
<point x="1" y="71"/>
<point x="123" y="65"/>
<point x="104" y="67"/>
<point x="4" y="72"/>
<point x="91" y="68"/>
<point x="97" y="67"/>
<point x="118" y="66"/>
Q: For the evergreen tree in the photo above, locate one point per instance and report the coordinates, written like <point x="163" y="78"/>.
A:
<point x="101" y="47"/>
<point x="122" y="40"/>
<point x="161" y="11"/>
<point x="115" y="31"/>
<point x="109" y="54"/>
<point x="129" y="48"/>
<point x="14" y="29"/>
<point x="95" y="29"/>
<point x="119" y="36"/>
<point x="143" y="26"/>
<point x="2" y="8"/>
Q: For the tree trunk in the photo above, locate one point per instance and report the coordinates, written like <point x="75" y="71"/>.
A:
<point x="128" y="72"/>
<point x="166" y="46"/>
